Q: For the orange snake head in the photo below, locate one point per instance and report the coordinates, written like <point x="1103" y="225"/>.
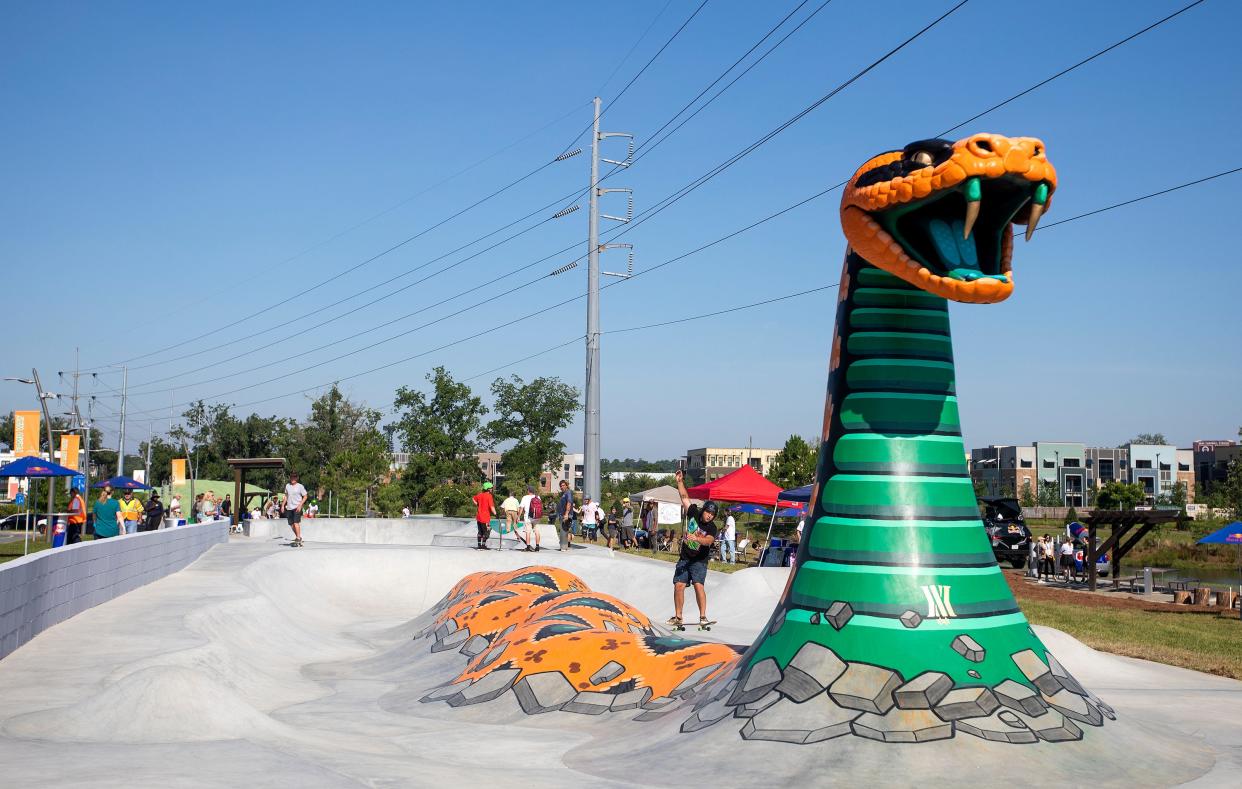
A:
<point x="940" y="214"/>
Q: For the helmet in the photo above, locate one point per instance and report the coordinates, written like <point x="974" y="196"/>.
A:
<point x="487" y="486"/>
<point x="710" y="506"/>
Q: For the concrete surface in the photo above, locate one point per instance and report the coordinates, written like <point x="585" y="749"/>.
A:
<point x="274" y="666"/>
<point x="45" y="588"/>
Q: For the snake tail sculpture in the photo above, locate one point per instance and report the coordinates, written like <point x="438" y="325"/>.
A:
<point x="896" y="624"/>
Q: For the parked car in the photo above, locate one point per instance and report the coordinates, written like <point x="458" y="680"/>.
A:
<point x="1011" y="539"/>
<point x="20" y="521"/>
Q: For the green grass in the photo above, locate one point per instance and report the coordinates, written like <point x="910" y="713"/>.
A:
<point x="1206" y="642"/>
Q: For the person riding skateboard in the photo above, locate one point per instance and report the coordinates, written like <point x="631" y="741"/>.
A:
<point x="295" y="498"/>
<point x="696" y="546"/>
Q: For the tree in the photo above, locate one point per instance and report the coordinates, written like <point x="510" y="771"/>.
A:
<point x="1147" y="438"/>
<point x="1071" y="515"/>
<point x="1229" y="492"/>
<point x="440" y="432"/>
<point x="794" y="465"/>
<point x="356" y="468"/>
<point x="531" y="415"/>
<point x="335" y="427"/>
<point x="1118" y="495"/>
<point x="1049" y="495"/>
<point x="1027" y="499"/>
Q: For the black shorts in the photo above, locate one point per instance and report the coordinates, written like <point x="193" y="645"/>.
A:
<point x="690" y="571"/>
<point x="293" y="516"/>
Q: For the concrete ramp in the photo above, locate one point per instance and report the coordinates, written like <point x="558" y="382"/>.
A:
<point x="266" y="665"/>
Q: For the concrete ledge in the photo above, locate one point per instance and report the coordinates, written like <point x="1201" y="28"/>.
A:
<point x="418" y="530"/>
<point x="43" y="589"/>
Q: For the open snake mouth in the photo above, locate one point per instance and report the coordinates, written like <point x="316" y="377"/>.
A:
<point x="961" y="233"/>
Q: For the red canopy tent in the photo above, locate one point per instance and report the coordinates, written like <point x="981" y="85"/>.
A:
<point x="744" y="485"/>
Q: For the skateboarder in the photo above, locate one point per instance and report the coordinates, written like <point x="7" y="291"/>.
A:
<point x="696" y="546"/>
<point x="530" y="518"/>
<point x="485" y="509"/>
<point x="295" y="497"/>
<point x="565" y="515"/>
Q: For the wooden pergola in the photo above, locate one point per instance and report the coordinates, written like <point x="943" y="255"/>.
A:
<point x="1126" y="527"/>
<point x="240" y="466"/>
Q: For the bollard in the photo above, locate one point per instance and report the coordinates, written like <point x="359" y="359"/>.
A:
<point x="1148" y="588"/>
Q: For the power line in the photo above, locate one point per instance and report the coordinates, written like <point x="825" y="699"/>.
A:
<point x="322" y="323"/>
<point x="689" y="188"/>
<point x="640" y="40"/>
<point x="1065" y="71"/>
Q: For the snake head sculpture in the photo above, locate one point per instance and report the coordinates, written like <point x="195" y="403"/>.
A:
<point x="940" y="214"/>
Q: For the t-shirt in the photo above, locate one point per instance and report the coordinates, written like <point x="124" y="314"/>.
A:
<point x="1067" y="549"/>
<point x="484" y="504"/>
<point x="524" y="505"/>
<point x="730" y="532"/>
<point x="294" y="496"/>
<point x="175" y="506"/>
<point x="510" y="505"/>
<point x="627" y="518"/>
<point x="105" y="517"/>
<point x="565" y="508"/>
<point x="693" y="551"/>
<point x="590" y="514"/>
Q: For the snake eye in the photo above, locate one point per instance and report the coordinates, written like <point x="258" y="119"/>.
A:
<point x="922" y="158"/>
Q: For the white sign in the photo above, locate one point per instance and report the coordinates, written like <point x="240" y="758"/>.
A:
<point x="140" y="475"/>
<point x="668" y="513"/>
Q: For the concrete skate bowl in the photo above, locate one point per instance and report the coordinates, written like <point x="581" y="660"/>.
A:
<point x="438" y="530"/>
<point x="302" y="667"/>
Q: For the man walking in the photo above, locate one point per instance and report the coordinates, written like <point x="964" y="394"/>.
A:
<point x="153" y="513"/>
<point x="728" y="547"/>
<point x="565" y="515"/>
<point x="691" y="568"/>
<point x="591" y="514"/>
<point x="295" y="498"/>
<point x="530" y="518"/>
<point x="131" y="511"/>
<point x="485" y="509"/>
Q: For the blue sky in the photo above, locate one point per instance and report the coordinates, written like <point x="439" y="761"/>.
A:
<point x="169" y="168"/>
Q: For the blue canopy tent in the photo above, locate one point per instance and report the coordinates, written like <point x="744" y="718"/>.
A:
<point x="797" y="494"/>
<point x="758" y="509"/>
<point x="799" y="498"/>
<point x="121" y="483"/>
<point x="32" y="467"/>
<point x="1231" y="534"/>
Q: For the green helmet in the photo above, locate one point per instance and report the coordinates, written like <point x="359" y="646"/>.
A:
<point x="487" y="486"/>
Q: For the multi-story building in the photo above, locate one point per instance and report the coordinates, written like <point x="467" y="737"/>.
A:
<point x="1004" y="470"/>
<point x="1107" y="464"/>
<point x="1063" y="464"/>
<point x="490" y="466"/>
<point x="708" y="463"/>
<point x="569" y="469"/>
<point x="1211" y="461"/>
<point x="1151" y="465"/>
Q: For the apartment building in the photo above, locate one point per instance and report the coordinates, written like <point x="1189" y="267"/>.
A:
<point x="1004" y="470"/>
<point x="708" y="463"/>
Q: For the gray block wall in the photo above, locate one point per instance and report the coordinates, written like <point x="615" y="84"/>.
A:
<point x="48" y="587"/>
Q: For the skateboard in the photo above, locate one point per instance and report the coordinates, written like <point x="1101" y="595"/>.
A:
<point x="295" y="544"/>
<point x="700" y="625"/>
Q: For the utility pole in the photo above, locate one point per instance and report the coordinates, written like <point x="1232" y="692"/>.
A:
<point x="51" y="452"/>
<point x="120" y="450"/>
<point x="591" y="446"/>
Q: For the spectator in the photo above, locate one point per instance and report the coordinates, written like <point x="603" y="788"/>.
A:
<point x="512" y="509"/>
<point x="226" y="506"/>
<point x="209" y="507"/>
<point x="611" y="526"/>
<point x="649" y="523"/>
<point x="174" y="507"/>
<point x="198" y="509"/>
<point x="295" y="499"/>
<point x="153" y="513"/>
<point x="530" y="518"/>
<point x="1047" y="568"/>
<point x="1067" y="561"/>
<point x="313" y="510"/>
<point x="77" y="516"/>
<point x="107" y="515"/>
<point x="131" y="511"/>
<point x="565" y="515"/>
<point x="691" y="568"/>
<point x="590" y="518"/>
<point x="627" y="524"/>
<point x="484" y="511"/>
<point x="728" y="546"/>
<point x="405" y="512"/>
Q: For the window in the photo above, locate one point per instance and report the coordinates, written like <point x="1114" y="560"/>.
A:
<point x="1047" y="463"/>
<point x="1070" y="463"/>
<point x="566" y="468"/>
<point x="1105" y="470"/>
<point x="1183" y="467"/>
<point x="1090" y="463"/>
<point x="1142" y="464"/>
<point x="1024" y="463"/>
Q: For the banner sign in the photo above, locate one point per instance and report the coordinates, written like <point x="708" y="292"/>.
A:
<point x="178" y="471"/>
<point x="668" y="513"/>
<point x="70" y="444"/>
<point x="25" y="433"/>
<point x="14" y="487"/>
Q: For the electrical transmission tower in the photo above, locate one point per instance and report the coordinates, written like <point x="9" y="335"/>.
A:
<point x="590" y="471"/>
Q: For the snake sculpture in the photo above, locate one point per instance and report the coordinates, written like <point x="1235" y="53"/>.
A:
<point x="896" y="624"/>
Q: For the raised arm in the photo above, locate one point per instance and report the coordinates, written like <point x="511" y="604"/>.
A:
<point x="681" y="490"/>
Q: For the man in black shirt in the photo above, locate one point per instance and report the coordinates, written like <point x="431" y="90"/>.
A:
<point x="696" y="546"/>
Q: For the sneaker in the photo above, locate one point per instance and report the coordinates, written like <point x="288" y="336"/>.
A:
<point x="673" y="620"/>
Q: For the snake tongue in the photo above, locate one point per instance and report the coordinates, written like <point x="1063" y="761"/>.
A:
<point x="956" y="249"/>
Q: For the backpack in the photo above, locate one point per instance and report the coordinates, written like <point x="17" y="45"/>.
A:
<point x="536" y="507"/>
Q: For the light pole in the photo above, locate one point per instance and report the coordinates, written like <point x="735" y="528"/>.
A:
<point x="47" y="423"/>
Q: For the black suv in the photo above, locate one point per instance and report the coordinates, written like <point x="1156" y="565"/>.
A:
<point x="1011" y="539"/>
